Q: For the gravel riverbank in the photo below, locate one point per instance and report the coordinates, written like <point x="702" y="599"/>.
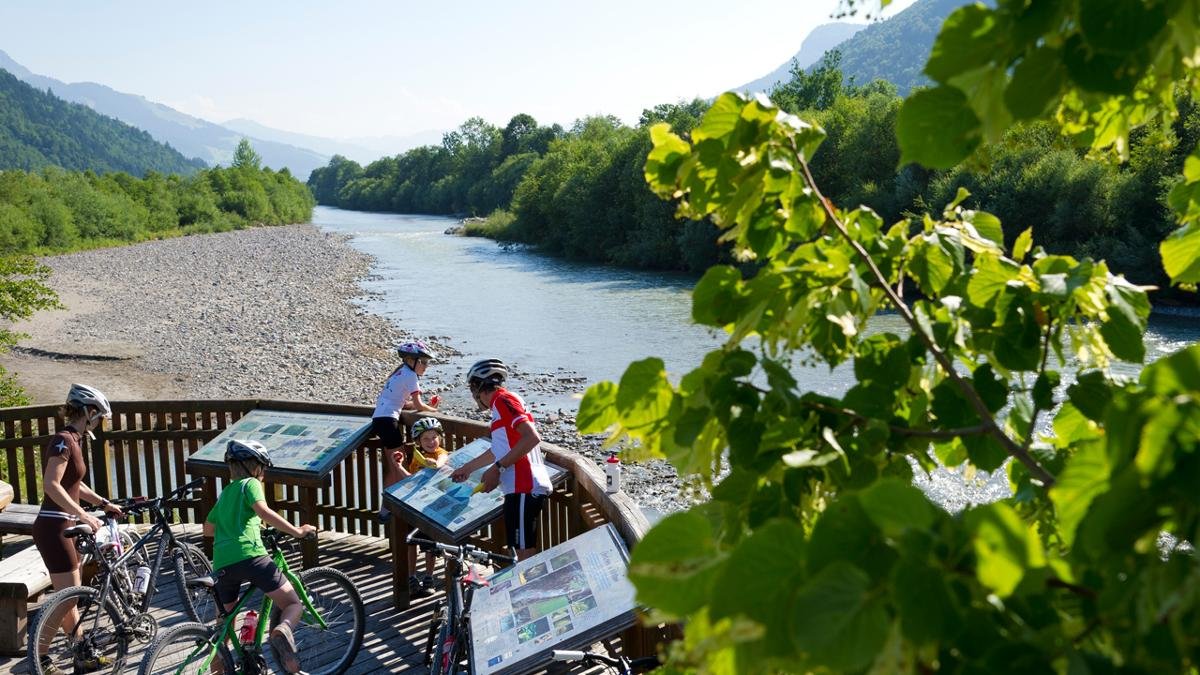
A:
<point x="264" y="312"/>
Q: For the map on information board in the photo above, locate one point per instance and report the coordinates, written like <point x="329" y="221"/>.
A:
<point x="447" y="510"/>
<point x="566" y="597"/>
<point x="305" y="443"/>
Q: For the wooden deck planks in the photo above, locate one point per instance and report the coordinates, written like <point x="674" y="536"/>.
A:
<point x="394" y="641"/>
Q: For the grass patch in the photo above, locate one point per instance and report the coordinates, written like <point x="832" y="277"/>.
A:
<point x="498" y="225"/>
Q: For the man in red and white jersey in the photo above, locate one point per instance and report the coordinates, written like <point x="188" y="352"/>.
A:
<point x="516" y="460"/>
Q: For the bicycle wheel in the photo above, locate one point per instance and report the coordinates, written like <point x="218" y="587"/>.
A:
<point x="191" y="563"/>
<point x="99" y="643"/>
<point x="442" y="662"/>
<point x="435" y="629"/>
<point x="330" y="650"/>
<point x="182" y="649"/>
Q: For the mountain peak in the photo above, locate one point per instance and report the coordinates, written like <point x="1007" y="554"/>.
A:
<point x="819" y="40"/>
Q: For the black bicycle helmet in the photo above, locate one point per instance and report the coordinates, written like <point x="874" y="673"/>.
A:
<point x="241" y="451"/>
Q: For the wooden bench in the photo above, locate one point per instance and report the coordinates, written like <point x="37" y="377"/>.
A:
<point x="23" y="577"/>
<point x="17" y="519"/>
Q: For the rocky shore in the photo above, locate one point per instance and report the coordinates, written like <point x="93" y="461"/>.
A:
<point x="263" y="312"/>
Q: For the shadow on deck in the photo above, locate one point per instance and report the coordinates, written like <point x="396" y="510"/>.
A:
<point x="394" y="641"/>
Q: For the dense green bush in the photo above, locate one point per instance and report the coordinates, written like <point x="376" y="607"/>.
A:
<point x="58" y="210"/>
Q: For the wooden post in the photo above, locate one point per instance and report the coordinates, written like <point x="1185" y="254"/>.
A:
<point x="208" y="499"/>
<point x="397" y="531"/>
<point x="308" y="514"/>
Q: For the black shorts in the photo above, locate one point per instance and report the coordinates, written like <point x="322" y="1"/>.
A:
<point x="260" y="571"/>
<point x="521" y="513"/>
<point x="388" y="431"/>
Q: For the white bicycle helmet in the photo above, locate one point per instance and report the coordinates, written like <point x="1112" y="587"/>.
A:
<point x="491" y="371"/>
<point x="415" y="349"/>
<point x="83" y="396"/>
<point x="241" y="451"/>
<point x="425" y="424"/>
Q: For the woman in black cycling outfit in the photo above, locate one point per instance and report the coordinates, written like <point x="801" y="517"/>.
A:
<point x="63" y="471"/>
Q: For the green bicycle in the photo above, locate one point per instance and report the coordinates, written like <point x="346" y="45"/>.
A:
<point x="328" y="636"/>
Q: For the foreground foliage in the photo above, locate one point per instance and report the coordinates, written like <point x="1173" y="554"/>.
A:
<point x="816" y="553"/>
<point x="23" y="291"/>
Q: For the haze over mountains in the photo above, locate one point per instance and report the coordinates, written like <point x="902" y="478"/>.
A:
<point x="215" y="143"/>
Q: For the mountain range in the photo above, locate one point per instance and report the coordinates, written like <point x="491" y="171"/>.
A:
<point x="894" y="50"/>
<point x="214" y="143"/>
<point x="39" y="129"/>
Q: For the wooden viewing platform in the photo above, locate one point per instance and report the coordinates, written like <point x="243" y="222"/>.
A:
<point x="144" y="453"/>
<point x="394" y="640"/>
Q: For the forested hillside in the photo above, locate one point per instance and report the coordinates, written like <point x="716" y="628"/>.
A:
<point x="38" y="129"/>
<point x="895" y="50"/>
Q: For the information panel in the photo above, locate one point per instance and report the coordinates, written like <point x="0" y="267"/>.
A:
<point x="450" y="511"/>
<point x="567" y="597"/>
<point x="305" y="444"/>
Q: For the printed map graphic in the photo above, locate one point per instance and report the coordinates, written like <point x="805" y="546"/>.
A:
<point x="566" y="596"/>
<point x="306" y="442"/>
<point x="454" y="507"/>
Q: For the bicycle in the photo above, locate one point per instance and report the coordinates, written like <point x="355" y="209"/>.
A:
<point x="622" y="664"/>
<point x="450" y="629"/>
<point x="328" y="636"/>
<point x="114" y="609"/>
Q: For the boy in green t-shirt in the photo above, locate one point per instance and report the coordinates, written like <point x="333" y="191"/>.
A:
<point x="238" y="551"/>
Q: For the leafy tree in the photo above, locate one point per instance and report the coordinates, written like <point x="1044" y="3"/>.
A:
<point x="816" y="553"/>
<point x="23" y="291"/>
<point x="812" y="90"/>
<point x="245" y="157"/>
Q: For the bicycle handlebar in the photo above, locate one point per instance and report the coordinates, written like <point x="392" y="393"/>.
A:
<point x="463" y="551"/>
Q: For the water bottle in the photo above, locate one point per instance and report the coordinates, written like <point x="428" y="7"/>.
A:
<point x="612" y="473"/>
<point x="141" y="579"/>
<point x="249" y="628"/>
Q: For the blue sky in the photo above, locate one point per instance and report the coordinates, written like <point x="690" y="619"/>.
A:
<point x="373" y="67"/>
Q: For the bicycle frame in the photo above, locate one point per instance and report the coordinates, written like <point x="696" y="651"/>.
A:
<point x="161" y="529"/>
<point x="228" y="631"/>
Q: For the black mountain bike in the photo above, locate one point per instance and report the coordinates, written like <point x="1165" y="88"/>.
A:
<point x="622" y="664"/>
<point x="114" y="610"/>
<point x="447" y="647"/>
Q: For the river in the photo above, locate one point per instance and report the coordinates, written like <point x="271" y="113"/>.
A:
<point x="545" y="315"/>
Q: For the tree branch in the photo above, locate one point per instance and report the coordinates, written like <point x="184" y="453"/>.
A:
<point x="1010" y="446"/>
<point x="945" y="434"/>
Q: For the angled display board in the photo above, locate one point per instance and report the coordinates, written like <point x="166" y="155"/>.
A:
<point x="302" y="444"/>
<point x="449" y="511"/>
<point x="566" y="597"/>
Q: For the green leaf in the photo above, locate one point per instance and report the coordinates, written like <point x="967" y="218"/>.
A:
<point x="987" y="225"/>
<point x="1120" y="25"/>
<point x="645" y="394"/>
<point x="937" y="128"/>
<point x="837" y="621"/>
<point x="598" y="409"/>
<point x="1100" y="72"/>
<point x="715" y="298"/>
<point x="988" y="279"/>
<point x="969" y="38"/>
<point x="721" y="119"/>
<point x="759" y="579"/>
<point x="927" y="611"/>
<point x="675" y="564"/>
<point x="883" y="359"/>
<point x="933" y="262"/>
<point x="1043" y="389"/>
<point x="1128" y="310"/>
<point x="663" y="162"/>
<point x="1091" y="394"/>
<point x="1071" y="426"/>
<point x="991" y="387"/>
<point x="1018" y="345"/>
<point x="1178" y="373"/>
<point x="1004" y="547"/>
<point x="844" y="532"/>
<point x="895" y="506"/>
<point x="1023" y="244"/>
<point x="1035" y="85"/>
<point x="1084" y="477"/>
<point x="1181" y="254"/>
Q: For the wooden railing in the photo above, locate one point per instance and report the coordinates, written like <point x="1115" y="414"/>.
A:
<point x="144" y="450"/>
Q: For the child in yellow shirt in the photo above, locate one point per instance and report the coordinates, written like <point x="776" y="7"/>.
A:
<point x="427" y="453"/>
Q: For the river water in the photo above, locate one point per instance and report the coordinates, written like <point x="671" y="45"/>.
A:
<point x="549" y="316"/>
